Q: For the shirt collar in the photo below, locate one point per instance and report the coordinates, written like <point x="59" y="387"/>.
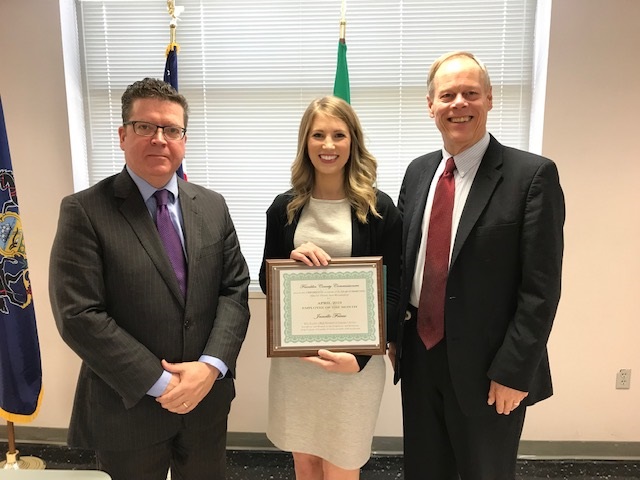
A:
<point x="147" y="190"/>
<point x="471" y="157"/>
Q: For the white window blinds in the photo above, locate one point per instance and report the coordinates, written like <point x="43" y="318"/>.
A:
<point x="249" y="68"/>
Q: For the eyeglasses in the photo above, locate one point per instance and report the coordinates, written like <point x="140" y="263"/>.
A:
<point x="146" y="129"/>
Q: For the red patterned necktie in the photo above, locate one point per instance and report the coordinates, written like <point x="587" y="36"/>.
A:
<point x="436" y="263"/>
<point x="170" y="238"/>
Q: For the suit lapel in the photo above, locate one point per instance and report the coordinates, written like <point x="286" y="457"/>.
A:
<point x="484" y="184"/>
<point x="414" y="234"/>
<point x="192" y="229"/>
<point x="137" y="215"/>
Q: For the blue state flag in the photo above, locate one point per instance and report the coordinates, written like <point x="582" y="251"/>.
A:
<point x="20" y="366"/>
<point x="171" y="77"/>
<point x="171" y="67"/>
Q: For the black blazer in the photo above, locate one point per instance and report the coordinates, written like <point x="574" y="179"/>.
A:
<point x="379" y="236"/>
<point x="117" y="304"/>
<point x="504" y="278"/>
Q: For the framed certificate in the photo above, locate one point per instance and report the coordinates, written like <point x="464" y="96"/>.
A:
<point x="339" y="307"/>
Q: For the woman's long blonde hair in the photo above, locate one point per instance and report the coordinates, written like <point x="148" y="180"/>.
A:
<point x="360" y="170"/>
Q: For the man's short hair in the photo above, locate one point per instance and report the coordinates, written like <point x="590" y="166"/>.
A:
<point x="448" y="56"/>
<point x="152" y="88"/>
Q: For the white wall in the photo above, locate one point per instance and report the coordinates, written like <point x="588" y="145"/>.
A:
<point x="35" y="108"/>
<point x="590" y="125"/>
<point x="591" y="114"/>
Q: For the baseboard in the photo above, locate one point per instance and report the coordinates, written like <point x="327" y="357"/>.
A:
<point x="529" y="450"/>
<point x="552" y="450"/>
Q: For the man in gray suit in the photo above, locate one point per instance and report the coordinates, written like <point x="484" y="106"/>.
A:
<point x="158" y="343"/>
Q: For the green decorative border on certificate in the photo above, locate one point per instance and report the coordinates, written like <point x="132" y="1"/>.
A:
<point x="358" y="326"/>
<point x="289" y="337"/>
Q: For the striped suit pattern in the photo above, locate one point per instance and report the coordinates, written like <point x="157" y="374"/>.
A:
<point x="117" y="304"/>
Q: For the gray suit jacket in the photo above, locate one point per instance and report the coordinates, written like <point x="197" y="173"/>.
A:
<point x="504" y="278"/>
<point x="118" y="305"/>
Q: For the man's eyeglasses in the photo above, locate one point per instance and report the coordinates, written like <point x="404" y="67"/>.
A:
<point x="146" y="129"/>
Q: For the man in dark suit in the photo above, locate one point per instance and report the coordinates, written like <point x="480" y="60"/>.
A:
<point x="158" y="342"/>
<point x="471" y="348"/>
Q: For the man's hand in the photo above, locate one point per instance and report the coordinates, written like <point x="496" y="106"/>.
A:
<point x="335" y="361"/>
<point x="173" y="383"/>
<point x="505" y="399"/>
<point x="195" y="380"/>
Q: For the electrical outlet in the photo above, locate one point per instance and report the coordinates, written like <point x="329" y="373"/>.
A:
<point x="623" y="379"/>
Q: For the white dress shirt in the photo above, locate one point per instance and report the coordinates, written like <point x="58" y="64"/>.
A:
<point x="467" y="163"/>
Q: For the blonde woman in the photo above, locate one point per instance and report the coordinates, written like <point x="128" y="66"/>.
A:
<point x="324" y="409"/>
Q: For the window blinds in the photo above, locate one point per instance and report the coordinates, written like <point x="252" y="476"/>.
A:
<point x="249" y="68"/>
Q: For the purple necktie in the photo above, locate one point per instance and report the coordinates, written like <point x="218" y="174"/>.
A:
<point x="170" y="238"/>
<point x="436" y="263"/>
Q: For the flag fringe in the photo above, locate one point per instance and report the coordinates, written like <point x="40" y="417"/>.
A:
<point x="18" y="418"/>
<point x="170" y="47"/>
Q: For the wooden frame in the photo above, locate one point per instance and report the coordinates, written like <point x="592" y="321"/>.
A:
<point x="339" y="307"/>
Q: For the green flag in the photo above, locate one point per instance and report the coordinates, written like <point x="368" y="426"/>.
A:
<point x="341" y="85"/>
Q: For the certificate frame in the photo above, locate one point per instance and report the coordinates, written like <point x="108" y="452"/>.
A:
<point x="339" y="307"/>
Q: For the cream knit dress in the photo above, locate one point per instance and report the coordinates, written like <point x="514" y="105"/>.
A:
<point x="331" y="415"/>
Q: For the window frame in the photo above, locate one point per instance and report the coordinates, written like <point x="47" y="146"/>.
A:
<point x="249" y="70"/>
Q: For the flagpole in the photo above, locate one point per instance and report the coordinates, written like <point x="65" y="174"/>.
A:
<point x="171" y="6"/>
<point x="174" y="13"/>
<point x="14" y="461"/>
<point x="343" y="21"/>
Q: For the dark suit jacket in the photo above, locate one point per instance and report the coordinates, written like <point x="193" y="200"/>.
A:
<point x="118" y="305"/>
<point x="504" y="278"/>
